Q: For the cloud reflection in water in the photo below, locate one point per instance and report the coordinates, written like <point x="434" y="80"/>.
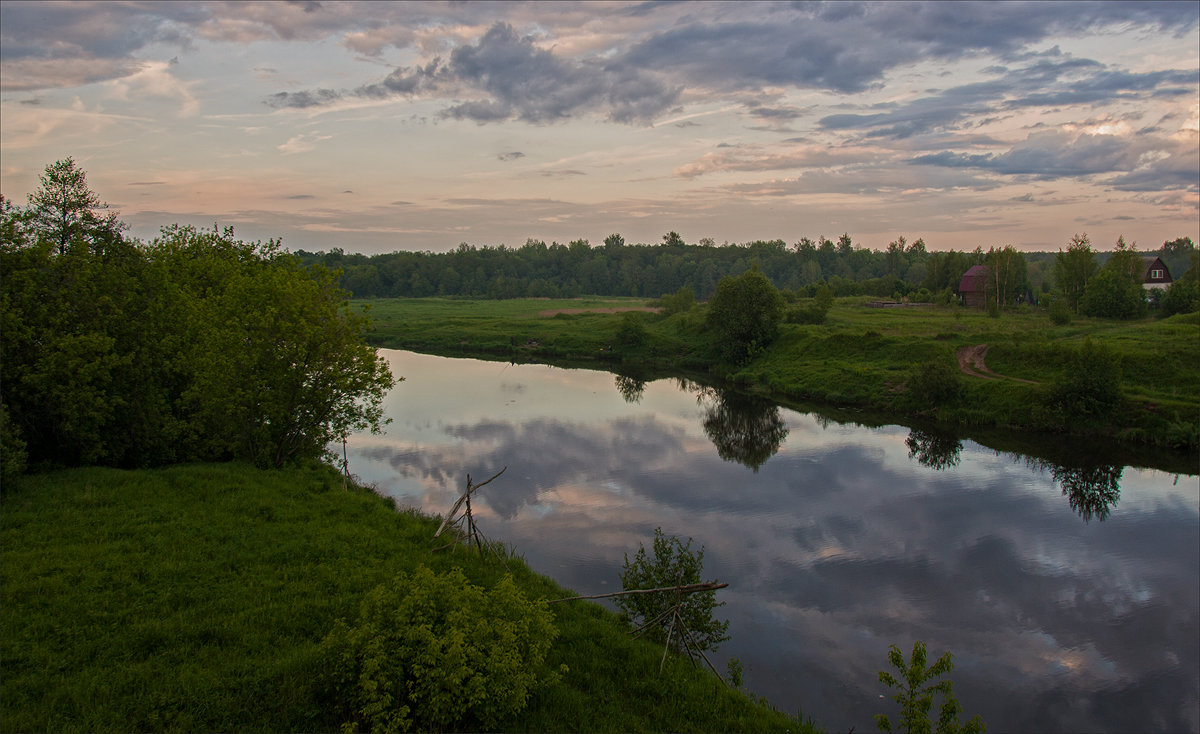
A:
<point x="838" y="542"/>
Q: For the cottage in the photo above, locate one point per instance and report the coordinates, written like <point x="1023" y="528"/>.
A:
<point x="1155" y="273"/>
<point x="973" y="286"/>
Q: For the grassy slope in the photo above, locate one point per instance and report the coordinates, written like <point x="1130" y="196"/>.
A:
<point x="193" y="598"/>
<point x="860" y="357"/>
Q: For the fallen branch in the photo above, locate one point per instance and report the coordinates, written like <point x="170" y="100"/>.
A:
<point x="688" y="589"/>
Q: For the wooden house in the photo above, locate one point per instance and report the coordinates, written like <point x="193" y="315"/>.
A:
<point x="973" y="286"/>
<point x="1155" y="273"/>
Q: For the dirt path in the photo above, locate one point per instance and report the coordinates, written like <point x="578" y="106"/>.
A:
<point x="971" y="362"/>
<point x="613" y="309"/>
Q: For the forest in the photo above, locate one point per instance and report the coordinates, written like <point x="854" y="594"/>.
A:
<point x="616" y="268"/>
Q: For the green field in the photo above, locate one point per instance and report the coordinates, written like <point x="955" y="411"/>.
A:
<point x="195" y="598"/>
<point x="861" y="357"/>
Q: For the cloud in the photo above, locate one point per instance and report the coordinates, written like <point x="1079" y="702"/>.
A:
<point x="1146" y="162"/>
<point x="301" y="143"/>
<point x="511" y="156"/>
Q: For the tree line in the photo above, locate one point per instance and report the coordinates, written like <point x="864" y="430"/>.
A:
<point x="616" y="268"/>
<point x="195" y="346"/>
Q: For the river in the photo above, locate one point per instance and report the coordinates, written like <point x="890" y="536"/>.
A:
<point x="1068" y="592"/>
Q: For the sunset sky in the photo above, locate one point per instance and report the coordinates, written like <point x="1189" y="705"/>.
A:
<point x="382" y="126"/>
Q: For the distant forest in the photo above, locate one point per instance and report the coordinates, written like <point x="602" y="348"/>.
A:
<point x="615" y="268"/>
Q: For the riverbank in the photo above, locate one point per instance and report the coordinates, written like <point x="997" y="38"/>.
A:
<point x="196" y="597"/>
<point x="860" y="358"/>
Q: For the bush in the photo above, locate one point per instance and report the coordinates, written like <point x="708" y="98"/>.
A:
<point x="673" y="564"/>
<point x="631" y="333"/>
<point x="813" y="312"/>
<point x="1090" y="384"/>
<point x="431" y="652"/>
<point x="1060" y="311"/>
<point x="934" y="383"/>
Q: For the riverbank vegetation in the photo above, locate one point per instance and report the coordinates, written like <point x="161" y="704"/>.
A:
<point x="203" y="597"/>
<point x="902" y="361"/>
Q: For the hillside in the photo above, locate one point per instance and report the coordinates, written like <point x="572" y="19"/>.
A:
<point x="195" y="598"/>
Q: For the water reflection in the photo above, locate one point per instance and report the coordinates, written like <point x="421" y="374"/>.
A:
<point x="934" y="450"/>
<point x="745" y="429"/>
<point x="631" y="388"/>
<point x="842" y="542"/>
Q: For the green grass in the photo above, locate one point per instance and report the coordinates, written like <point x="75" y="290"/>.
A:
<point x="860" y="357"/>
<point x="194" y="598"/>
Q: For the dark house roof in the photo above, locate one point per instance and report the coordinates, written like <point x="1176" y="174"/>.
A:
<point x="1155" y="273"/>
<point x="974" y="280"/>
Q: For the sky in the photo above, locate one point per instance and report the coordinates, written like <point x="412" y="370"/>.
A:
<point x="377" y="127"/>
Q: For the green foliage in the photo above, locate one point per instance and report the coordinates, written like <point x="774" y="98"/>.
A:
<point x="1089" y="387"/>
<point x="1183" y="296"/>
<point x="916" y="693"/>
<point x="679" y="302"/>
<point x="1074" y="268"/>
<point x="934" y="384"/>
<point x="195" y="347"/>
<point x="1116" y="291"/>
<point x="431" y="651"/>
<point x="745" y="313"/>
<point x="1060" y="311"/>
<point x="674" y="563"/>
<point x="813" y="312"/>
<point x="631" y="333"/>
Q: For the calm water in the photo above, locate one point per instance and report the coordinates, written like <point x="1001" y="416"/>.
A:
<point x="1069" y="595"/>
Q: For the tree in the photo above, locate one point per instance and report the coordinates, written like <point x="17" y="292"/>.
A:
<point x="1184" y="294"/>
<point x="1116" y="291"/>
<point x="674" y="564"/>
<point x="65" y="211"/>
<point x="745" y="312"/>
<point x="917" y="691"/>
<point x="1007" y="271"/>
<point x="283" y="369"/>
<point x="1074" y="268"/>
<point x="672" y="239"/>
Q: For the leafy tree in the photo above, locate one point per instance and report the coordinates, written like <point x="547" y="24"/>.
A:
<point x="917" y="690"/>
<point x="283" y="369"/>
<point x="1116" y="291"/>
<point x="672" y="239"/>
<point x="934" y="450"/>
<point x="1007" y="278"/>
<point x="1074" y="268"/>
<point x="65" y="211"/>
<point x="745" y="312"/>
<point x="195" y="347"/>
<point x="679" y="302"/>
<point x="1183" y="296"/>
<point x="674" y="563"/>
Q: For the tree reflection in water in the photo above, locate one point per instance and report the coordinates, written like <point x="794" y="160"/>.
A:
<point x="630" y="388"/>
<point x="744" y="428"/>
<point x="1092" y="490"/>
<point x="934" y="450"/>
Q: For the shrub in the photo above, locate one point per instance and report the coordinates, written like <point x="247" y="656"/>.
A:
<point x="631" y="333"/>
<point x="1090" y="384"/>
<point x="673" y="564"/>
<point x="934" y="383"/>
<point x="1060" y="311"/>
<point x="432" y="652"/>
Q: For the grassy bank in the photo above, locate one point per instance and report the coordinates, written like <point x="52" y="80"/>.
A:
<point x="195" y="598"/>
<point x="860" y="357"/>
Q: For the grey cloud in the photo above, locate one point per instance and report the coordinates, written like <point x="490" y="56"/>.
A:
<point x="511" y="156"/>
<point x="305" y="98"/>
